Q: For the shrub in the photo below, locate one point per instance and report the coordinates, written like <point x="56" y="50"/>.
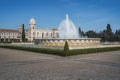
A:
<point x="66" y="48"/>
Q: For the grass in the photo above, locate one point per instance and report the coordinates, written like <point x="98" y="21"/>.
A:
<point x="62" y="52"/>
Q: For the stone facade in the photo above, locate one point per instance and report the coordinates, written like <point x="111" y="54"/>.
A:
<point x="7" y="35"/>
<point x="31" y="33"/>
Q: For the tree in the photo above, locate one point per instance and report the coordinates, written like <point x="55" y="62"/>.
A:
<point x="23" y="33"/>
<point x="91" y="34"/>
<point x="109" y="28"/>
<point x="81" y="33"/>
<point x="66" y="47"/>
<point x="109" y="34"/>
<point x="100" y="35"/>
<point x="117" y="35"/>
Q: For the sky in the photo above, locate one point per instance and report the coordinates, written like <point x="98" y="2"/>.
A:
<point x="86" y="14"/>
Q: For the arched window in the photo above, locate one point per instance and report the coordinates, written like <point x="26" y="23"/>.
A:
<point x="42" y="35"/>
<point x="37" y="33"/>
<point x="57" y="35"/>
<point x="47" y="34"/>
<point x="33" y="33"/>
<point x="51" y="35"/>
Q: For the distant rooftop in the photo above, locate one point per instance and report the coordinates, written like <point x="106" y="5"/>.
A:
<point x="8" y="30"/>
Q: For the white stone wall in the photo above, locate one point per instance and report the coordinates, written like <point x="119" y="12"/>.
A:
<point x="34" y="33"/>
<point x="11" y="35"/>
<point x="42" y="34"/>
<point x="31" y="33"/>
<point x="8" y="36"/>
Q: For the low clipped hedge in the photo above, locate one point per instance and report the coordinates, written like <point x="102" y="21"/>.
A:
<point x="38" y="50"/>
<point x="90" y="50"/>
<point x="62" y="52"/>
<point x="5" y="42"/>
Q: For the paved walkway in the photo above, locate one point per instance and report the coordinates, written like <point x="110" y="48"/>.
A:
<point x="22" y="65"/>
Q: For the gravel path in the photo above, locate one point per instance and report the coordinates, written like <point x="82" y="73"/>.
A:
<point x="23" y="65"/>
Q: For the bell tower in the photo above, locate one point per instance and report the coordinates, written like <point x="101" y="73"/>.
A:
<point x="32" y="23"/>
<point x="32" y="27"/>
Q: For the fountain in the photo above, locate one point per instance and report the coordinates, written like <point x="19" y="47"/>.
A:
<point x="68" y="32"/>
<point x="67" y="29"/>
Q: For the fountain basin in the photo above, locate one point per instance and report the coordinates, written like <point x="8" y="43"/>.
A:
<point x="68" y="32"/>
<point x="71" y="42"/>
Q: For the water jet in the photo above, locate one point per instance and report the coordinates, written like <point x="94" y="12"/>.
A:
<point x="68" y="32"/>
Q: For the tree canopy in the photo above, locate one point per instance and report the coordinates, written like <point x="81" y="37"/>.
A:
<point x="23" y="33"/>
<point x="105" y="35"/>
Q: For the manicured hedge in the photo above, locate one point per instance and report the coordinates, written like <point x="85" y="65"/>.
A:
<point x="5" y="42"/>
<point x="38" y="50"/>
<point x="91" y="50"/>
<point x="62" y="52"/>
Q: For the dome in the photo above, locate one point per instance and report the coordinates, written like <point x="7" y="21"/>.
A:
<point x="32" y="21"/>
